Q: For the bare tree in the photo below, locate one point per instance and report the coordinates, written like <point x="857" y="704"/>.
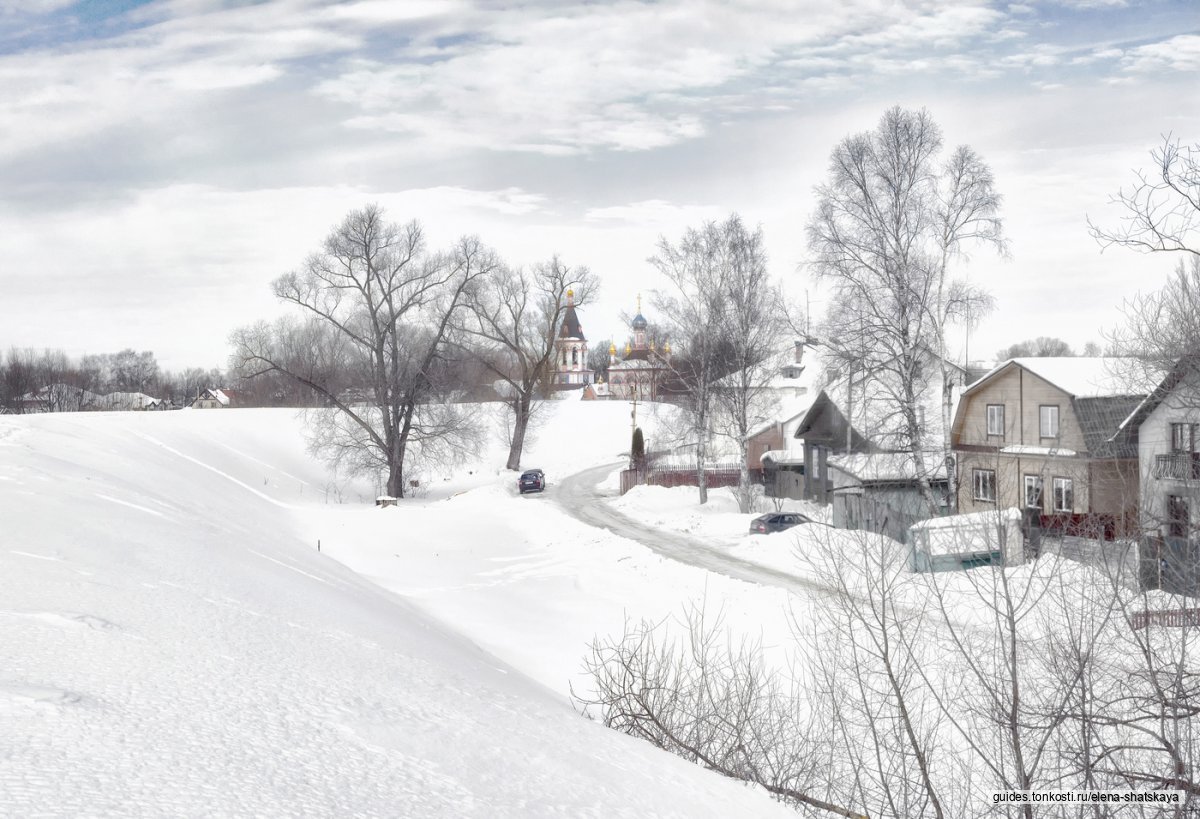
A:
<point x="699" y="269"/>
<point x="21" y="376"/>
<point x="386" y="307"/>
<point x="1040" y="347"/>
<point x="891" y="221"/>
<point x="1161" y="209"/>
<point x="515" y="318"/>
<point x="754" y="326"/>
<point x="713" y="703"/>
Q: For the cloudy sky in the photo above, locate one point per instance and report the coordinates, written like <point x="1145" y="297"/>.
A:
<point x="162" y="162"/>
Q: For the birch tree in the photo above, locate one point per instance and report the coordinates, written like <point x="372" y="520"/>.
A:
<point x="698" y="269"/>
<point x="892" y="221"/>
<point x="753" y="329"/>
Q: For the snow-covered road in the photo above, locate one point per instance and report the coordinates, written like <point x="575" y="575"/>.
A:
<point x="581" y="497"/>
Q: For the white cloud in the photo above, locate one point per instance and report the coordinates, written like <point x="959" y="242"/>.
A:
<point x="656" y="213"/>
<point x="1180" y="53"/>
<point x="33" y="6"/>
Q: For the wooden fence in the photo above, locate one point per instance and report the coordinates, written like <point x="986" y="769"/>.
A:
<point x="716" y="476"/>
<point x="1172" y="618"/>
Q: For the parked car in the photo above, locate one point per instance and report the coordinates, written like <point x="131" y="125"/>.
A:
<point x="776" y="522"/>
<point x="531" y="480"/>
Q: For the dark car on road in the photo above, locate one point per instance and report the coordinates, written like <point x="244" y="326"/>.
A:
<point x="531" y="480"/>
<point x="776" y="522"/>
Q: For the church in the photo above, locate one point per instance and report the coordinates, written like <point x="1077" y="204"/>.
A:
<point x="639" y="374"/>
<point x="570" y="351"/>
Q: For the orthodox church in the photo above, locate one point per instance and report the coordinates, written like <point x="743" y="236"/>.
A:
<point x="639" y="373"/>
<point x="570" y="351"/>
<point x="643" y="369"/>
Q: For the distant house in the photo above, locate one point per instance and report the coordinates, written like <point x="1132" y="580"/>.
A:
<point x="1047" y="434"/>
<point x="125" y="401"/>
<point x="57" y="398"/>
<point x="858" y="452"/>
<point x="596" y="391"/>
<point x="786" y="393"/>
<point x="214" y="399"/>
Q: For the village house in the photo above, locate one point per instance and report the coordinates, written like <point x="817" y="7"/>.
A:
<point x="1167" y="427"/>
<point x="215" y="399"/>
<point x="1046" y="435"/>
<point x="859" y="455"/>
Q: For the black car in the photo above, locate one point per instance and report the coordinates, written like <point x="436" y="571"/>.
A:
<point x="531" y="480"/>
<point x="776" y="522"/>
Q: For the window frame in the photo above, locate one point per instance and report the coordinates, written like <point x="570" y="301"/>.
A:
<point x="988" y="420"/>
<point x="1042" y="421"/>
<point x="1040" y="485"/>
<point x="988" y="482"/>
<point x="1186" y="437"/>
<point x="1067" y="486"/>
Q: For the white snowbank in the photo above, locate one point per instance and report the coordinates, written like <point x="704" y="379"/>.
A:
<point x="174" y="644"/>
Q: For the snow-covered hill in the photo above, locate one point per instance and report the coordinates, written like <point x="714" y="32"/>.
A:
<point x="172" y="643"/>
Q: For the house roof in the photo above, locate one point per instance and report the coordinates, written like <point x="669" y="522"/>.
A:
<point x="1101" y="419"/>
<point x="786" y="412"/>
<point x="632" y="363"/>
<point x="570" y="325"/>
<point x="1081" y="376"/>
<point x="824" y="421"/>
<point x="781" y="456"/>
<point x="891" y="467"/>
<point x="1181" y="369"/>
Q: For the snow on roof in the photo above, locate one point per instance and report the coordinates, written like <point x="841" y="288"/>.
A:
<point x="786" y="412"/>
<point x="1026" y="449"/>
<point x="973" y="519"/>
<point x="782" y="456"/>
<point x="1084" y="377"/>
<point x="890" y="466"/>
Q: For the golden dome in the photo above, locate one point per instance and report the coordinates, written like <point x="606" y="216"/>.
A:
<point x="612" y="349"/>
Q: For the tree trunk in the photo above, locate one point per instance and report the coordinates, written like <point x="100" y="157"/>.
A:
<point x="395" y="481"/>
<point x="745" y="496"/>
<point x="701" y="475"/>
<point x="947" y="454"/>
<point x="520" y="423"/>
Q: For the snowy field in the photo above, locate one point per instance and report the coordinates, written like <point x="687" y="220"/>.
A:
<point x="172" y="643"/>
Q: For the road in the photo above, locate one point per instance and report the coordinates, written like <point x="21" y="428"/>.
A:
<point x="580" y="497"/>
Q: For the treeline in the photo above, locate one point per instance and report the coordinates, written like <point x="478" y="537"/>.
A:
<point x="49" y="380"/>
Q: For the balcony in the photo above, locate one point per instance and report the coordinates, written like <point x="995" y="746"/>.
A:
<point x="1178" y="466"/>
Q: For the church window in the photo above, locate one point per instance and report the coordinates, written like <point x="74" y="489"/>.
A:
<point x="574" y="356"/>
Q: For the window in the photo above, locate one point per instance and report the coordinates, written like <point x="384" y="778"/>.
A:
<point x="1183" y="437"/>
<point x="995" y="419"/>
<point x="1064" y="495"/>
<point x="1033" y="491"/>
<point x="1048" y="420"/>
<point x="1178" y="516"/>
<point x="985" y="484"/>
